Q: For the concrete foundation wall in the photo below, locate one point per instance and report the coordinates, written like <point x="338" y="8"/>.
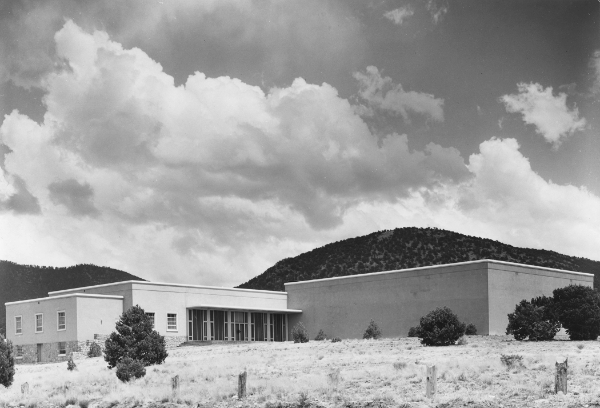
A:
<point x="508" y="284"/>
<point x="396" y="300"/>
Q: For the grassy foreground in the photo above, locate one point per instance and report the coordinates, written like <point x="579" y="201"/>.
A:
<point x="352" y="373"/>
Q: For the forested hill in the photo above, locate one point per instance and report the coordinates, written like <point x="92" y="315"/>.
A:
<point x="407" y="248"/>
<point x="20" y="282"/>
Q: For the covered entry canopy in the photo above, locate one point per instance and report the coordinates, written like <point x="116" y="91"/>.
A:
<point x="246" y="309"/>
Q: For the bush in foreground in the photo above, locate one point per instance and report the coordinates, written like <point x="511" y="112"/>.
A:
<point x="336" y="340"/>
<point x="535" y="320"/>
<point x="578" y="310"/>
<point x="299" y="333"/>
<point x="372" y="331"/>
<point x="413" y="332"/>
<point x="7" y="363"/>
<point x="320" y="336"/>
<point x="440" y="327"/>
<point x="71" y="364"/>
<point x="95" y="350"/>
<point x="471" y="330"/>
<point x="135" y="339"/>
<point x="129" y="369"/>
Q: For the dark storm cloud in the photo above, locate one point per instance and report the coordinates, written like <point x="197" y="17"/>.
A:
<point x="77" y="197"/>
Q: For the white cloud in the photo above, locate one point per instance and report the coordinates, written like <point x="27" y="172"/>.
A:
<point x="548" y="113"/>
<point x="213" y="181"/>
<point x="198" y="174"/>
<point x="397" y="16"/>
<point x="381" y="93"/>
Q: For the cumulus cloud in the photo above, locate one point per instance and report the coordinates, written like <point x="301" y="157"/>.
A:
<point x="381" y="93"/>
<point x="214" y="180"/>
<point x="551" y="116"/>
<point x="397" y="16"/>
<point x="212" y="164"/>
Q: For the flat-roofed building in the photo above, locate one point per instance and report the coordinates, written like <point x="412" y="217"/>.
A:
<point x="480" y="292"/>
<point x="181" y="313"/>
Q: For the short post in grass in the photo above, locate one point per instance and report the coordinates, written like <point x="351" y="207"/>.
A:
<point x="25" y="388"/>
<point x="242" y="385"/>
<point x="431" y="381"/>
<point x="560" y="378"/>
<point x="175" y="387"/>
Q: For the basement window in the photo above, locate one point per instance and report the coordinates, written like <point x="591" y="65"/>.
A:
<point x="19" y="353"/>
<point x="62" y="348"/>
<point x="171" y="321"/>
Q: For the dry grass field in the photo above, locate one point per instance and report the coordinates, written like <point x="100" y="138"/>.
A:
<point x="351" y="373"/>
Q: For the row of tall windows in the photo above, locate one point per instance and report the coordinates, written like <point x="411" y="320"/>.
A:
<point x="207" y="325"/>
<point x="61" y="322"/>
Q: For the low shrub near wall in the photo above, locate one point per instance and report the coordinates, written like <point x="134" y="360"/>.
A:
<point x="440" y="327"/>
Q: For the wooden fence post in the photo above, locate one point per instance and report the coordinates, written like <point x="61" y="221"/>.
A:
<point x="560" y="383"/>
<point x="175" y="386"/>
<point x="25" y="388"/>
<point x="431" y="381"/>
<point x="242" y="385"/>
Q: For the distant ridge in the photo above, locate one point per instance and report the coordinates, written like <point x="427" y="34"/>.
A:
<point x="407" y="248"/>
<point x="20" y="282"/>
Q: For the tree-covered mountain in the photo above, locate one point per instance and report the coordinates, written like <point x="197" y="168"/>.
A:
<point x="407" y="248"/>
<point x="20" y="282"/>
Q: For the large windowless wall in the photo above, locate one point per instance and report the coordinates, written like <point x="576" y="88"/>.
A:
<point x="479" y="292"/>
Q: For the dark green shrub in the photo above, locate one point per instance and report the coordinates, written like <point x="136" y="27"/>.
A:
<point x="95" y="350"/>
<point x="7" y="362"/>
<point x="372" y="331"/>
<point x="129" y="369"/>
<point x="299" y="333"/>
<point x="413" y="332"/>
<point x="336" y="340"/>
<point x="71" y="364"/>
<point x="535" y="320"/>
<point x="470" y="330"/>
<point x="321" y="336"/>
<point x="578" y="310"/>
<point x="135" y="339"/>
<point x="440" y="327"/>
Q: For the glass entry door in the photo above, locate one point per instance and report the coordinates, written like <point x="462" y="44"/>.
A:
<point x="240" y="325"/>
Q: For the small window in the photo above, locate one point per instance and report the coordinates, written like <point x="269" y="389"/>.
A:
<point x="62" y="348"/>
<point x="19" y="352"/>
<point x="62" y="321"/>
<point x="18" y="325"/>
<point x="151" y="316"/>
<point x="172" y="321"/>
<point x="39" y="322"/>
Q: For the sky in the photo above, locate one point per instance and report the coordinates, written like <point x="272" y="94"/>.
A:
<point x="202" y="141"/>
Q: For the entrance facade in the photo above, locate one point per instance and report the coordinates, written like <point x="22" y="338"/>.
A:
<point x="233" y="325"/>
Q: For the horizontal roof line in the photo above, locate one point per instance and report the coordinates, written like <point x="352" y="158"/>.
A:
<point x="441" y="266"/>
<point x="66" y="296"/>
<point x="181" y="285"/>
<point x="250" y="309"/>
